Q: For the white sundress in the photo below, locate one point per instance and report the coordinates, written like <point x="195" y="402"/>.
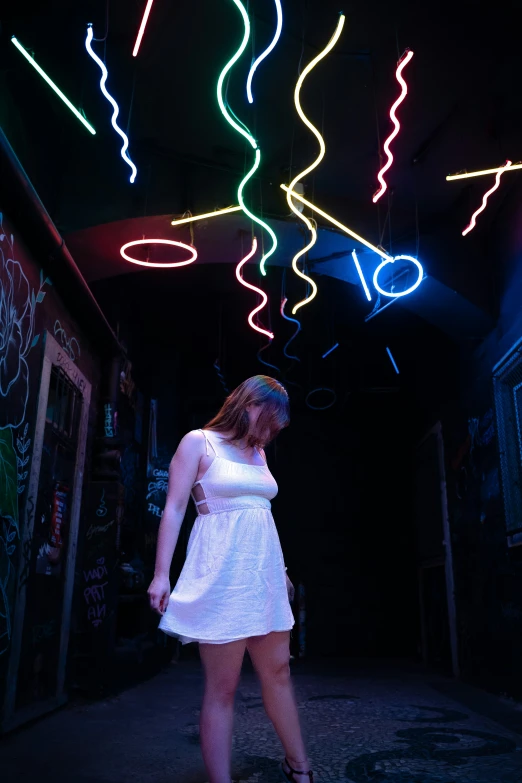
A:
<point x="233" y="582"/>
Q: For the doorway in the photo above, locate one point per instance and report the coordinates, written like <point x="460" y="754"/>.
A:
<point x="434" y="557"/>
<point x="41" y="625"/>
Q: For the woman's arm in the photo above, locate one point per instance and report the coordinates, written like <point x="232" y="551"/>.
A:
<point x="183" y="471"/>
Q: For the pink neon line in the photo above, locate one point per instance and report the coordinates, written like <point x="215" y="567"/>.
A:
<point x="473" y="221"/>
<point x="403" y="62"/>
<point x="253" y="288"/>
<point x="142" y="27"/>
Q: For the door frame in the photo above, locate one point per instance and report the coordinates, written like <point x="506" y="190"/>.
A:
<point x="53" y="355"/>
<point x="448" y="559"/>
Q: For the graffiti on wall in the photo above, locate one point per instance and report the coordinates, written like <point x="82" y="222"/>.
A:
<point x="18" y="306"/>
<point x="158" y="482"/>
<point x="70" y="345"/>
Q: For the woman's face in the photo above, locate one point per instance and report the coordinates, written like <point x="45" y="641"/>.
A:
<point x="254" y="410"/>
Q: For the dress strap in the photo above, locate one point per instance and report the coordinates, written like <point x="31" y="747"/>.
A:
<point x="208" y="441"/>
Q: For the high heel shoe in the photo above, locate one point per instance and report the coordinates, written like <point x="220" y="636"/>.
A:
<point x="289" y="776"/>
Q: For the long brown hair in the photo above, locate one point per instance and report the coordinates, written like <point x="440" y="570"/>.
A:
<point x="273" y="417"/>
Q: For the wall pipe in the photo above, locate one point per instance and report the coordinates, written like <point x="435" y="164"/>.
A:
<point x="23" y="206"/>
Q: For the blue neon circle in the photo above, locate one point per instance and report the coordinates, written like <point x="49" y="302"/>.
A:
<point x="321" y="407"/>
<point x="392" y="261"/>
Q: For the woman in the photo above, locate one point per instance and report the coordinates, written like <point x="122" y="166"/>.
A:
<point x="232" y="594"/>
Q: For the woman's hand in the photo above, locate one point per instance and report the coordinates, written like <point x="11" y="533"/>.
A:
<point x="159" y="593"/>
<point x="290" y="588"/>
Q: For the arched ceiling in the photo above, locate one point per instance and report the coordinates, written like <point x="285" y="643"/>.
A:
<point x="460" y="112"/>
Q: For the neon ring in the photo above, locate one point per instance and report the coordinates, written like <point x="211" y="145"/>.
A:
<point x="392" y="261"/>
<point x="190" y="249"/>
<point x="321" y="407"/>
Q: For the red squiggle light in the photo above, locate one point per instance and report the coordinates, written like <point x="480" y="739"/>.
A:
<point x="253" y="288"/>
<point x="473" y="221"/>
<point x="165" y="265"/>
<point x="403" y="62"/>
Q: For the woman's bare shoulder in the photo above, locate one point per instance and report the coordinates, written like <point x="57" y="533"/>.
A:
<point x="193" y="444"/>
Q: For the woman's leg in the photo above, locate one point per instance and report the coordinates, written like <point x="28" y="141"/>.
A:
<point x="270" y="656"/>
<point x="222" y="667"/>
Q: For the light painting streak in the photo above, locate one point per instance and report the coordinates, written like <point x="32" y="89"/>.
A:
<point x="392" y="261"/>
<point x="294" y="321"/>
<point x="157" y="264"/>
<point x="468" y="174"/>
<point x="322" y="149"/>
<point x="267" y="51"/>
<point x="267" y="364"/>
<point x="330" y="351"/>
<point x="220" y="375"/>
<point x="332" y="402"/>
<point x="336" y="223"/>
<point x="253" y="288"/>
<point x="222" y="76"/>
<point x="403" y="62"/>
<point x="217" y="213"/>
<point x="363" y="281"/>
<point x="113" y="103"/>
<point x="53" y="86"/>
<point x="393" y="361"/>
<point x="241" y="128"/>
<point x="473" y="221"/>
<point x="251" y="214"/>
<point x="142" y="27"/>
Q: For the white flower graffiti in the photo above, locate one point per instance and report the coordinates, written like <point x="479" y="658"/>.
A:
<point x="17" y="326"/>
<point x="70" y="345"/>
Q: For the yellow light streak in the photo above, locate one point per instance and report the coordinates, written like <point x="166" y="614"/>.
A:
<point x="483" y="172"/>
<point x="322" y="149"/>
<point x="193" y="218"/>
<point x="336" y="223"/>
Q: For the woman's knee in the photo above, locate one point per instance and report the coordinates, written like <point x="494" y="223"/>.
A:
<point x="221" y="689"/>
<point x="276" y="672"/>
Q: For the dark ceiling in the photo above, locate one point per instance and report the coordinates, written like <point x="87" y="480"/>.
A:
<point x="462" y="111"/>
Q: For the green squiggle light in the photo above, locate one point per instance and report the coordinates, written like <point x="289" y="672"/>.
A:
<point x="243" y="130"/>
<point x="246" y="35"/>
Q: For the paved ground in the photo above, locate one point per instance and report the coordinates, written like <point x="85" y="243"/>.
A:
<point x="364" y="724"/>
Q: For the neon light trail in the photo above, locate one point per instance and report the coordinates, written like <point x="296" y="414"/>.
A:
<point x="267" y="364"/>
<point x="267" y="51"/>
<point x="392" y="294"/>
<point x="160" y="264"/>
<point x="205" y="215"/>
<point x="330" y="351"/>
<point x="387" y="259"/>
<point x="222" y="76"/>
<point x="142" y="27"/>
<point x="393" y="361"/>
<point x="336" y="223"/>
<point x="322" y="150"/>
<point x="361" y="276"/>
<point x="294" y="321"/>
<point x="473" y="221"/>
<point x="53" y="86"/>
<point x="113" y="103"/>
<point x="217" y="367"/>
<point x="253" y="288"/>
<point x="483" y="172"/>
<point x="403" y="62"/>
<point x="243" y="130"/>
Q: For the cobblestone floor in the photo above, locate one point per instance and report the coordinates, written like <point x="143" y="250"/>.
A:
<point x="364" y="724"/>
